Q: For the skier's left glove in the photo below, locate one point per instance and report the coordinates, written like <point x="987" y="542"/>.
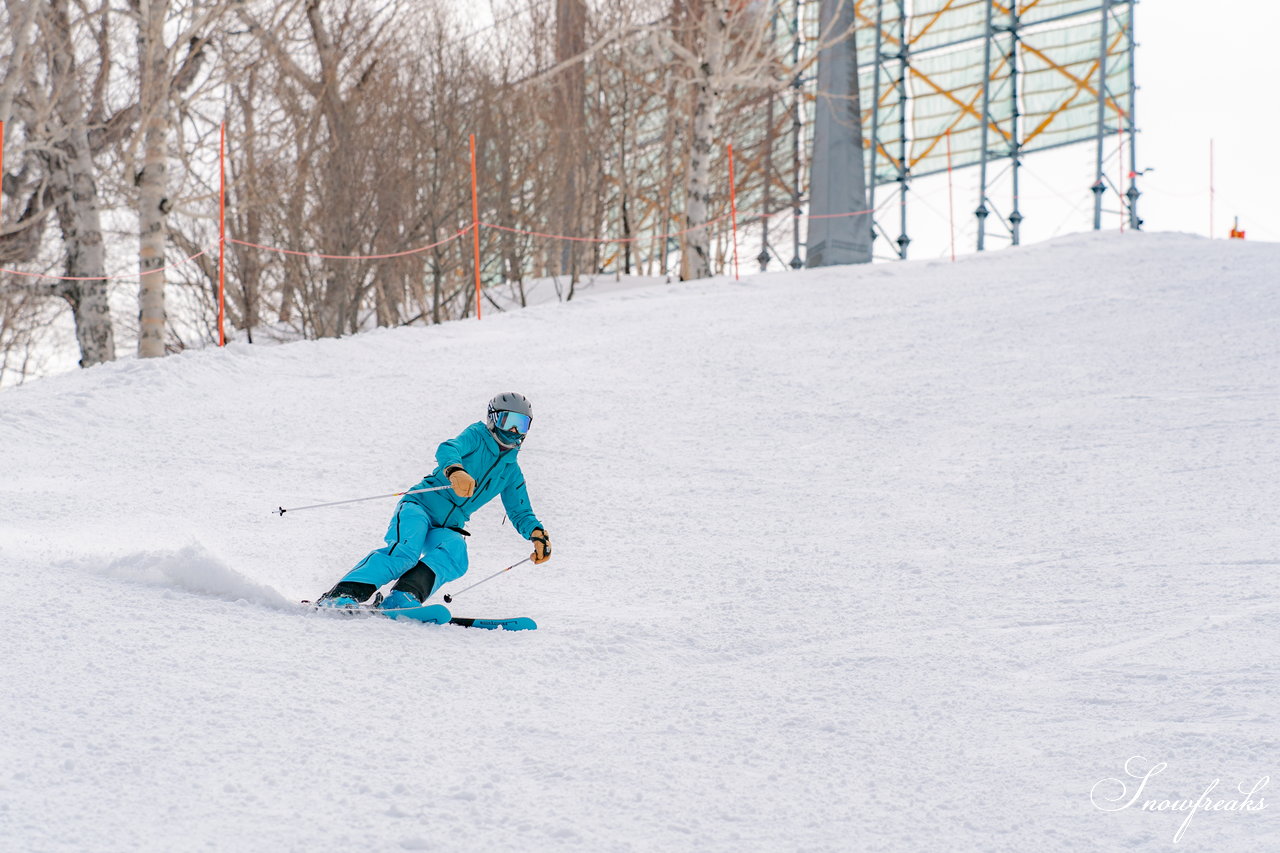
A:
<point x="541" y="546"/>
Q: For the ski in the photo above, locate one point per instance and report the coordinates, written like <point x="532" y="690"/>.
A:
<point x="433" y="614"/>
<point x="519" y="623"/>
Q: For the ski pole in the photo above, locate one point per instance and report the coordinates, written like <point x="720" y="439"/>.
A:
<point x="281" y="511"/>
<point x="448" y="599"/>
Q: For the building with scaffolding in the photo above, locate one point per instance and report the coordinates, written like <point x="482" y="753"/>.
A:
<point x="962" y="83"/>
<point x="942" y="85"/>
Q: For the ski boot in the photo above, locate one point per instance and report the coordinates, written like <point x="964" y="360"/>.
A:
<point x="346" y="596"/>
<point x="337" y="602"/>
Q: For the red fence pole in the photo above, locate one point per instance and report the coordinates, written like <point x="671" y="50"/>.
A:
<point x="733" y="209"/>
<point x="222" y="234"/>
<point x="475" y="222"/>
<point x="951" y="200"/>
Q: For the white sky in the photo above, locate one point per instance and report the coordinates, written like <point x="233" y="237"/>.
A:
<point x="1210" y="70"/>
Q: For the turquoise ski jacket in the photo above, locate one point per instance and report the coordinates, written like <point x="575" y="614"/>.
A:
<point x="495" y="471"/>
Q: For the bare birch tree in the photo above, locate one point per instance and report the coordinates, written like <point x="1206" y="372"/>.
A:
<point x="21" y="309"/>
<point x="19" y="241"/>
<point x="160" y="76"/>
<point x="63" y="101"/>
<point x="68" y="160"/>
<point x="722" y="46"/>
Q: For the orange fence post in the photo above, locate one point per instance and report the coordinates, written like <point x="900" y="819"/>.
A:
<point x="222" y="235"/>
<point x="951" y="200"/>
<point x="475" y="222"/>
<point x="733" y="210"/>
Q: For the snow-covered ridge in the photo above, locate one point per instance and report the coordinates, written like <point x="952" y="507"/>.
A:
<point x="900" y="557"/>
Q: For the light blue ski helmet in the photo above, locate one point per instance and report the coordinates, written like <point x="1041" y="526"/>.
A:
<point x="509" y="418"/>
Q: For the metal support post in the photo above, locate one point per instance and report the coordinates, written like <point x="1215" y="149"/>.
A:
<point x="796" y="263"/>
<point x="982" y="212"/>
<point x="1099" y="184"/>
<point x="1135" y="222"/>
<point x="763" y="257"/>
<point x="872" y="172"/>
<point x="1015" y="140"/>
<point x="904" y="61"/>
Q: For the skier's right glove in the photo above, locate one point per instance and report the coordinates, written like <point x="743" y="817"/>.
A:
<point x="462" y="482"/>
<point x="541" y="546"/>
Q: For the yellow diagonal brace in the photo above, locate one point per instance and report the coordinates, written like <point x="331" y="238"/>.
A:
<point x="964" y="108"/>
<point x="1048" y="119"/>
<point x="890" y="87"/>
<point x="936" y="140"/>
<point x="897" y="164"/>
<point x="885" y="34"/>
<point x="969" y="107"/>
<point x="1081" y="84"/>
<point x="933" y="20"/>
<point x="1004" y="10"/>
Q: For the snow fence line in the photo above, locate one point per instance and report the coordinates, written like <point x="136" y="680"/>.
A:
<point x="473" y="229"/>
<point x="475" y="226"/>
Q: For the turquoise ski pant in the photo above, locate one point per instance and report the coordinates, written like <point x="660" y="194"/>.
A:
<point x="411" y="538"/>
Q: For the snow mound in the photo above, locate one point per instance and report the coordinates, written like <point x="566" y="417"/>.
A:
<point x="190" y="569"/>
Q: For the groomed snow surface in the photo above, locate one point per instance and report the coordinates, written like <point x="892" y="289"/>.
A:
<point x="903" y="558"/>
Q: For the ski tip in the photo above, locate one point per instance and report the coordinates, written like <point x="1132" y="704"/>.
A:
<point x="519" y="623"/>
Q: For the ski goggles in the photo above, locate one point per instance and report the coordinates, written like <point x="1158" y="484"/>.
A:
<point x="512" y="421"/>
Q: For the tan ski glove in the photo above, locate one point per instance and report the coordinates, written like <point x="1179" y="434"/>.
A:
<point x="462" y="482"/>
<point x="541" y="546"/>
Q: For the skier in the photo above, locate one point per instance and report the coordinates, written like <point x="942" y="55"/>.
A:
<point x="425" y="541"/>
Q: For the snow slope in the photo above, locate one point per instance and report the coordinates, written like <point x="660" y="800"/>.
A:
<point x="901" y="558"/>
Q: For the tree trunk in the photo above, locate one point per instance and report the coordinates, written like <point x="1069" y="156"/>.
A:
<point x="247" y="217"/>
<point x="16" y="72"/>
<point x="571" y="41"/>
<point x="153" y="206"/>
<point x="81" y="227"/>
<point x="698" y="184"/>
<point x="71" y="171"/>
<point x="437" y="273"/>
<point x="706" y="108"/>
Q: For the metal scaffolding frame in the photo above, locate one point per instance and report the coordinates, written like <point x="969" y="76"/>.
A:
<point x="896" y="77"/>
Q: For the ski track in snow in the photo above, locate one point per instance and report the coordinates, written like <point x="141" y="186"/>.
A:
<point x="896" y="558"/>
